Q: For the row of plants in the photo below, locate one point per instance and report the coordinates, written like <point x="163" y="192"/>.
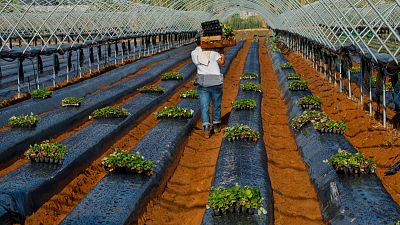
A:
<point x="71" y="101"/>
<point x="250" y="86"/>
<point x="244" y="104"/>
<point x="192" y="93"/>
<point x="235" y="199"/>
<point x="348" y="163"/>
<point x="24" y="121"/>
<point x="286" y="65"/>
<point x="320" y="122"/>
<point x="241" y="132"/>
<point x="249" y="76"/>
<point x="174" y="112"/>
<point x="110" y="112"/>
<point x="307" y="116"/>
<point x="294" y="76"/>
<point x="124" y="162"/>
<point x="41" y="94"/>
<point x="310" y="102"/>
<point x="47" y="152"/>
<point x="152" y="89"/>
<point x="298" y="85"/>
<point x="273" y="46"/>
<point x="172" y="76"/>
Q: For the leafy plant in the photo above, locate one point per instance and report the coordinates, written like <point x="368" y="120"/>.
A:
<point x="174" y="112"/>
<point x="41" y="93"/>
<point x="310" y="102"/>
<point x="249" y="86"/>
<point x="297" y="85"/>
<point x="227" y="31"/>
<point x="294" y="76"/>
<point x="244" y="104"/>
<point x="26" y="121"/>
<point x="152" y="89"/>
<point x="249" y="76"/>
<point x="242" y="132"/>
<point x="373" y="81"/>
<point x="172" y="76"/>
<point x="355" y="69"/>
<point x="189" y="94"/>
<point x="286" y="65"/>
<point x="235" y="199"/>
<point x="389" y="86"/>
<point x="330" y="126"/>
<point x="47" y="152"/>
<point x="110" y="112"/>
<point x="71" y="101"/>
<point x="307" y="116"/>
<point x="127" y="162"/>
<point x="346" y="162"/>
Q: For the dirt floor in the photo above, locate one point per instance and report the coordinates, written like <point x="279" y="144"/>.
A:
<point x="295" y="200"/>
<point x="61" y="204"/>
<point x="185" y="196"/>
<point x="366" y="134"/>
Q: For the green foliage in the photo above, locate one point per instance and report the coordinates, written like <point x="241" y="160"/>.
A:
<point x="249" y="76"/>
<point x="172" y="76"/>
<point x="298" y="85"/>
<point x="110" y="112"/>
<point x="47" y="149"/>
<point x="26" y="121"/>
<point x="331" y="126"/>
<point x="227" y="31"/>
<point x="373" y="81"/>
<point x="174" y="112"/>
<point x="249" y="86"/>
<point x="127" y="162"/>
<point x="241" y="131"/>
<point x="189" y="94"/>
<point x="246" y="196"/>
<point x="41" y="93"/>
<point x="286" y="65"/>
<point x="294" y="76"/>
<point x="389" y="86"/>
<point x="310" y="101"/>
<point x="249" y="22"/>
<point x="307" y="116"/>
<point x="355" y="69"/>
<point x="71" y="101"/>
<point x="244" y="104"/>
<point x="357" y="162"/>
<point x="152" y="89"/>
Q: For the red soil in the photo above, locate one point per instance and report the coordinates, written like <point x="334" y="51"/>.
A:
<point x="295" y="200"/>
<point x="365" y="134"/>
<point x="185" y="196"/>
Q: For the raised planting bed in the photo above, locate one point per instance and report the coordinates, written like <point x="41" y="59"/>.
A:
<point x="250" y="86"/>
<point x="310" y="102"/>
<point x="192" y="93"/>
<point x="286" y="65"/>
<point x="152" y="89"/>
<point x="298" y="85"/>
<point x="25" y="189"/>
<point x="172" y="76"/>
<point x="244" y="104"/>
<point x="344" y="199"/>
<point x="41" y="94"/>
<point x="110" y="112"/>
<point x="15" y="142"/>
<point x="249" y="76"/>
<point x="294" y="76"/>
<point x="241" y="132"/>
<point x="235" y="199"/>
<point x="71" y="102"/>
<point x="124" y="162"/>
<point x="351" y="164"/>
<point x="24" y="121"/>
<point x="244" y="163"/>
<point x="174" y="112"/>
<point x="47" y="152"/>
<point x="91" y="85"/>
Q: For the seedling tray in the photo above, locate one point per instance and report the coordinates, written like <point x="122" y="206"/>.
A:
<point x="49" y="160"/>
<point x="71" y="105"/>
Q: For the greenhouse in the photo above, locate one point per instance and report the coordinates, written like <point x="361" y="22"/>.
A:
<point x="156" y="112"/>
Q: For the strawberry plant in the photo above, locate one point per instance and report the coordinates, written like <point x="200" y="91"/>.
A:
<point x="241" y="132"/>
<point x="172" y="76"/>
<point x="41" y="93"/>
<point x="286" y="65"/>
<point x="25" y="121"/>
<point x="174" y="112"/>
<point x="249" y="76"/>
<point x="345" y="162"/>
<point x="47" y="152"/>
<point x="235" y="199"/>
<point x="71" y="101"/>
<point x="249" y="86"/>
<point x="152" y="89"/>
<point x="128" y="163"/>
<point x="389" y="86"/>
<point x="373" y="81"/>
<point x="294" y="76"/>
<point x="110" y="112"/>
<point x="189" y="94"/>
<point x="330" y="126"/>
<point x="244" y="104"/>
<point x="310" y="102"/>
<point x="307" y="116"/>
<point x="355" y="69"/>
<point x="298" y="85"/>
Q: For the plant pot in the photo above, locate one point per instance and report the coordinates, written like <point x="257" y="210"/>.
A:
<point x="372" y="170"/>
<point x="243" y="209"/>
<point x="46" y="159"/>
<point x="251" y="211"/>
<point x="238" y="209"/>
<point x="71" y="105"/>
<point x="60" y="161"/>
<point x="216" y="212"/>
<point x="51" y="160"/>
<point x="346" y="171"/>
<point x="224" y="211"/>
<point x="41" y="159"/>
<point x="231" y="209"/>
<point x="56" y="161"/>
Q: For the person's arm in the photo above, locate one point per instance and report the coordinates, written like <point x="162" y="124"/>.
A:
<point x="221" y="60"/>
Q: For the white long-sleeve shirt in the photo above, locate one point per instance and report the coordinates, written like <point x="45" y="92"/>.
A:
<point x="208" y="71"/>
